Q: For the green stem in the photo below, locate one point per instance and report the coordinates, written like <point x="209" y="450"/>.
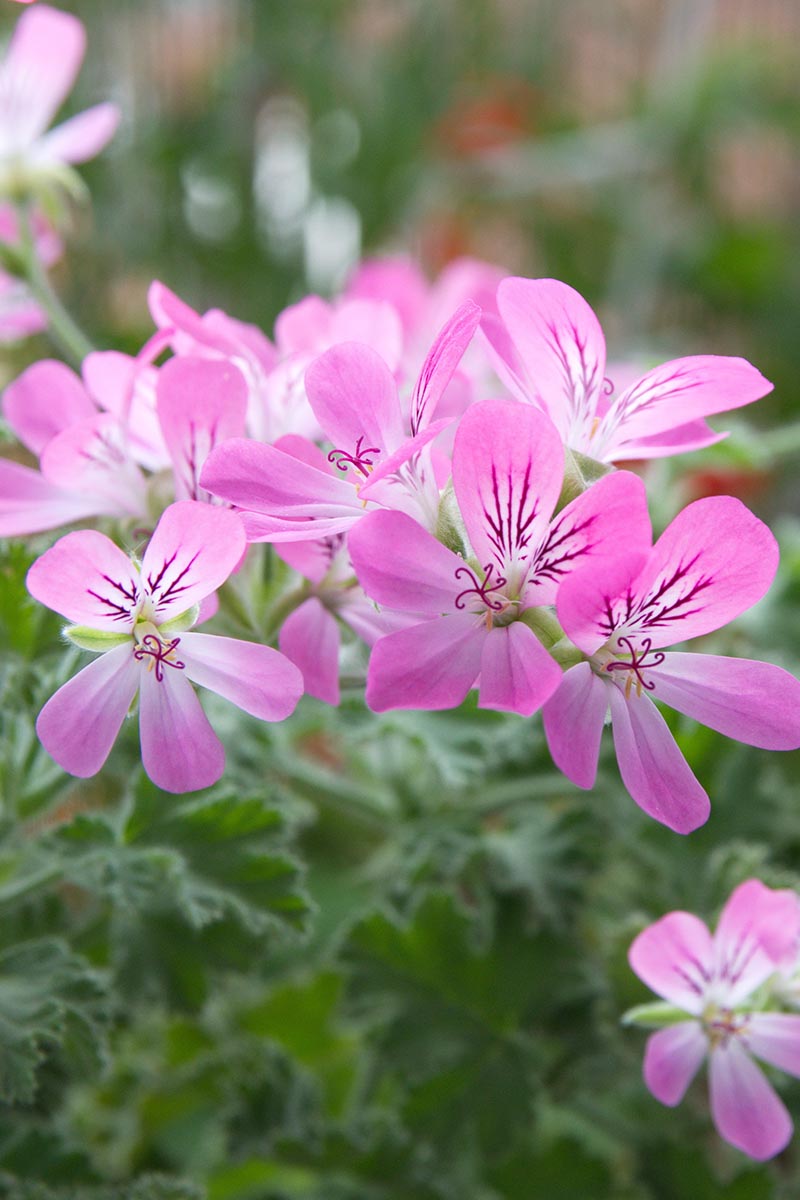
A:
<point x="63" y="331"/>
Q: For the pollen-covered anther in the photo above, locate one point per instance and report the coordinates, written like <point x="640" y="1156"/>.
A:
<point x="636" y="664"/>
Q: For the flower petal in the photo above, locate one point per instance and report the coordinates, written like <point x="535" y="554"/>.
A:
<point x="674" y="957"/>
<point x="194" y="548"/>
<point x="200" y="403"/>
<point x="29" y="503"/>
<point x="517" y="673"/>
<point x="255" y="678"/>
<point x="40" y="67"/>
<point x="652" y="767"/>
<point x="79" y="724"/>
<point x="81" y="137"/>
<point x="43" y="400"/>
<point x="442" y="359"/>
<point x="354" y="397"/>
<point x="775" y="1038"/>
<point x="508" y="465"/>
<point x="560" y="344"/>
<point x="714" y="561"/>
<point x="593" y="601"/>
<point x="758" y="932"/>
<point x="431" y="666"/>
<point x="89" y="580"/>
<point x="92" y="457"/>
<point x="684" y="390"/>
<point x="180" y="751"/>
<point x="400" y="565"/>
<point x="610" y="515"/>
<point x="754" y="702"/>
<point x="573" y="723"/>
<point x="745" y="1108"/>
<point x="672" y="1058"/>
<point x="309" y="638"/>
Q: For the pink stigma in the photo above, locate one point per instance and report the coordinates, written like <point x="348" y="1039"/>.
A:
<point x="637" y="664"/>
<point x="481" y="589"/>
<point x="152" y="647"/>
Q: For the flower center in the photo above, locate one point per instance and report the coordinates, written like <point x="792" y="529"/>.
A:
<point x="721" y="1024"/>
<point x="357" y="459"/>
<point x="482" y="591"/>
<point x="636" y="664"/>
<point x="157" y="652"/>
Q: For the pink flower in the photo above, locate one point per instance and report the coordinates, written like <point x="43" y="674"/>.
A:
<point x="508" y="465"/>
<point x="290" y="496"/>
<point x="712" y="563"/>
<point x="714" y="980"/>
<point x="549" y="349"/>
<point x="39" y="69"/>
<point x="135" y="618"/>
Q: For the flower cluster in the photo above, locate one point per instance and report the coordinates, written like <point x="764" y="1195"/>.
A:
<point x="439" y="468"/>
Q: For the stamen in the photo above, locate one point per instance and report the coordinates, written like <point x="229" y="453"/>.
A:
<point x="481" y="589"/>
<point x="636" y="665"/>
<point x="357" y="459"/>
<point x="152" y="647"/>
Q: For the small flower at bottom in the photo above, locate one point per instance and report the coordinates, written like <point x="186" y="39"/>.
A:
<point x="136" y="618"/>
<point x="719" y="983"/>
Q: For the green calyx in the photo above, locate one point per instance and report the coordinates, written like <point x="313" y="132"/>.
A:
<point x="657" y="1015"/>
<point x="580" y="472"/>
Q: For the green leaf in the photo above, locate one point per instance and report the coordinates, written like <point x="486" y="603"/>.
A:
<point x="49" y="999"/>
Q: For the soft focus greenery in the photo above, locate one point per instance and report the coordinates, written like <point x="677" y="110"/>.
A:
<point x="385" y="959"/>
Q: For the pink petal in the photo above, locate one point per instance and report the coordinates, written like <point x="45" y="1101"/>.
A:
<point x="508" y="463"/>
<point x="561" y="346"/>
<point x="200" y="403"/>
<point x="391" y="465"/>
<point x="400" y="565"/>
<point x="652" y="767"/>
<point x="79" y="724"/>
<point x="746" y="1111"/>
<point x="775" y="1038"/>
<point x="398" y="280"/>
<point x="443" y="357"/>
<point x="45" y="399"/>
<point x="712" y="563"/>
<point x="502" y="353"/>
<point x="695" y="435"/>
<point x="309" y="638"/>
<point x="373" y="322"/>
<point x="517" y="673"/>
<point x="242" y="337"/>
<point x="672" y="1058"/>
<point x="609" y="516"/>
<point x="592" y="602"/>
<point x="754" y="702"/>
<point x="758" y="932"/>
<point x="29" y="503"/>
<point x="89" y="580"/>
<point x="684" y="390"/>
<point x="81" y="137"/>
<point x="194" y="548"/>
<point x="93" y="457"/>
<point x="255" y="678"/>
<point x="180" y="751"/>
<point x="354" y="398"/>
<point x="674" y="957"/>
<point x="312" y="559"/>
<point x="39" y="69"/>
<point x="125" y="387"/>
<point x="429" y="666"/>
<point x="573" y="723"/>
<point x="190" y="332"/>
<point x="265" y="480"/>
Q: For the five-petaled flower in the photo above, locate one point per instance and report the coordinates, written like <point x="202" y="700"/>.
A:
<point x="712" y="563"/>
<point x="136" y="617"/>
<point x="714" y="980"/>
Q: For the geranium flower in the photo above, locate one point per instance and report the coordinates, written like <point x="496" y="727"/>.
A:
<point x="39" y="69"/>
<point x="549" y="349"/>
<point x="135" y="618"/>
<point x="508" y="465"/>
<point x="715" y="980"/>
<point x="712" y="563"/>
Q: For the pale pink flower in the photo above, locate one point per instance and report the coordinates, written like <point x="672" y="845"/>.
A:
<point x="549" y="349"/>
<point x="712" y="563"/>
<point x="39" y="69"/>
<point x="715" y="980"/>
<point x="135" y="618"/>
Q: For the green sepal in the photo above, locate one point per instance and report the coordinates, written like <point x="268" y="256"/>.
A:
<point x="450" y="528"/>
<point x="566" y="653"/>
<point x="580" y="472"/>
<point x="182" y="622"/>
<point x="544" y="623"/>
<point x="657" y="1015"/>
<point x="96" y="640"/>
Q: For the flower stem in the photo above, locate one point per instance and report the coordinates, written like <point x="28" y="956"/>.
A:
<point x="64" y="332"/>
